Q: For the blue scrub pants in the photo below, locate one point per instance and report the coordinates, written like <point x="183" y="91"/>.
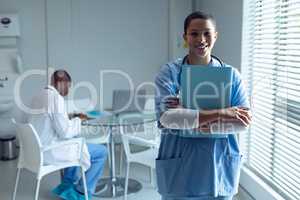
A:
<point x="98" y="155"/>
<point x="204" y="198"/>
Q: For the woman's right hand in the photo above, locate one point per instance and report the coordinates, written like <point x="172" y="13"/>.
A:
<point x="172" y="102"/>
<point x="79" y="115"/>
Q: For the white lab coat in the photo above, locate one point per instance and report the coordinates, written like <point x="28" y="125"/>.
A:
<point x="53" y="125"/>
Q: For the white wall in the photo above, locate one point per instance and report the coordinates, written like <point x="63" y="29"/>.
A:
<point x="136" y="37"/>
<point x="228" y="15"/>
<point x="178" y="11"/>
<point x="87" y="38"/>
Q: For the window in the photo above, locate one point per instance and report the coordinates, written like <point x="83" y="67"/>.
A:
<point x="271" y="68"/>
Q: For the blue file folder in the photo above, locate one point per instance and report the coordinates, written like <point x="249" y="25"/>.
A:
<point x="205" y="88"/>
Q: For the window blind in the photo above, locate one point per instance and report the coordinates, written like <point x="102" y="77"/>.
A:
<point x="271" y="70"/>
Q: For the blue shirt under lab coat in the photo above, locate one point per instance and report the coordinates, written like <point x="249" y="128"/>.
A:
<point x="196" y="168"/>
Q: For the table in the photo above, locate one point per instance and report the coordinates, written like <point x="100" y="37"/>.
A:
<point x="114" y="186"/>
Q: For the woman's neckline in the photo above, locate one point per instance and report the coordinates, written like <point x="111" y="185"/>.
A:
<point x="199" y="63"/>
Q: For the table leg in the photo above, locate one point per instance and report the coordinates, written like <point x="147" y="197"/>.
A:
<point x="114" y="186"/>
<point x="113" y="168"/>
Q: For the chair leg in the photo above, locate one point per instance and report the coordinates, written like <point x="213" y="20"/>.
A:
<point x="84" y="184"/>
<point x="121" y="159"/>
<point x="152" y="179"/>
<point x="36" y="196"/>
<point x="108" y="155"/>
<point x="16" y="183"/>
<point x="126" y="181"/>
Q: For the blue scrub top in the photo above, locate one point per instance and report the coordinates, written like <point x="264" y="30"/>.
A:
<point x="196" y="168"/>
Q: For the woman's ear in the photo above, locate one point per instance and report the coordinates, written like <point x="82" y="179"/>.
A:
<point x="185" y="44"/>
<point x="184" y="37"/>
<point x="216" y="35"/>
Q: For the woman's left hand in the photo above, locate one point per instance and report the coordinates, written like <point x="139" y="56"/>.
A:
<point x="239" y="114"/>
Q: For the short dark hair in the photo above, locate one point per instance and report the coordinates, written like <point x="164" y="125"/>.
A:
<point x="61" y="75"/>
<point x="198" y="15"/>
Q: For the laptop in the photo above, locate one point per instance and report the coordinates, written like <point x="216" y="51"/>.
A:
<point x="128" y="101"/>
<point x="205" y="88"/>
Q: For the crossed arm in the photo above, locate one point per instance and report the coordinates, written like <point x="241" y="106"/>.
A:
<point x="218" y="121"/>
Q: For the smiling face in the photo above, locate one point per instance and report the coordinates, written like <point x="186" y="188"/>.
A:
<point x="200" y="36"/>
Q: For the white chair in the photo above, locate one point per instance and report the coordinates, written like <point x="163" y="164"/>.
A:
<point x="149" y="135"/>
<point x="146" y="157"/>
<point x="151" y="130"/>
<point x="31" y="156"/>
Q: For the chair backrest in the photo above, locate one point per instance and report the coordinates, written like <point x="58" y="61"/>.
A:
<point x="31" y="157"/>
<point x="147" y="130"/>
<point x="149" y="105"/>
<point x="146" y="160"/>
<point x="151" y="129"/>
<point x="125" y="141"/>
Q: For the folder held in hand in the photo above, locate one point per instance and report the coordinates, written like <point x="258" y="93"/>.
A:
<point x="205" y="88"/>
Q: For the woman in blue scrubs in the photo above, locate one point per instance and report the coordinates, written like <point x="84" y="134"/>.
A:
<point x="198" y="168"/>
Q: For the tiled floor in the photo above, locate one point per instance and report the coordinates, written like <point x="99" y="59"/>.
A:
<point x="27" y="183"/>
